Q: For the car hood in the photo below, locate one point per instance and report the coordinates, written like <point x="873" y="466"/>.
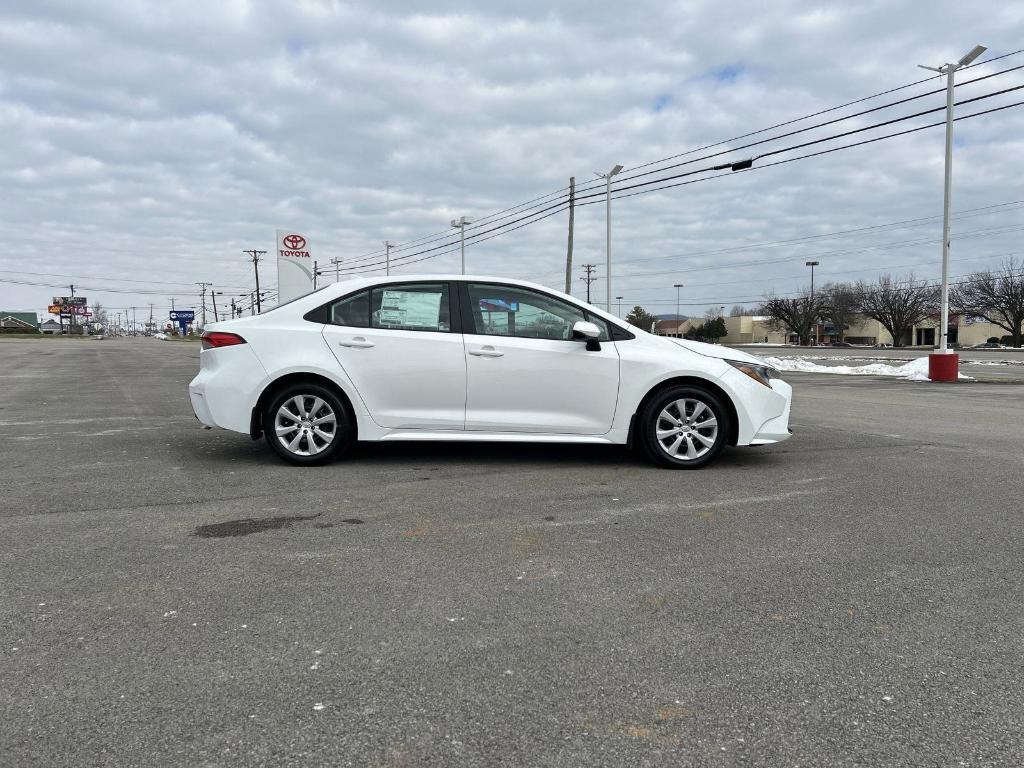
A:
<point x="716" y="350"/>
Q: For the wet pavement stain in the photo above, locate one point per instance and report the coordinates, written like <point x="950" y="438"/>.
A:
<point x="352" y="521"/>
<point x="249" y="525"/>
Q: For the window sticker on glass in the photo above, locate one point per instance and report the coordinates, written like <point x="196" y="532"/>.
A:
<point x="409" y="309"/>
<point x="498" y="305"/>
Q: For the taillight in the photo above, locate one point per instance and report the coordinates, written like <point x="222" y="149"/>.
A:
<point x="213" y="339"/>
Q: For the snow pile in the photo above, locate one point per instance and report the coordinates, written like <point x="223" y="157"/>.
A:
<point x="161" y="336"/>
<point x="915" y="370"/>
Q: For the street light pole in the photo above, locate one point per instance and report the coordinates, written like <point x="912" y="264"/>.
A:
<point x="387" y="257"/>
<point x="460" y="224"/>
<point x="812" y="265"/>
<point x="677" y="286"/>
<point x="608" y="232"/>
<point x="948" y="70"/>
<point x="618" y="310"/>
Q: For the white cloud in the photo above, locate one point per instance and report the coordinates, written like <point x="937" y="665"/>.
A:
<point x="157" y="140"/>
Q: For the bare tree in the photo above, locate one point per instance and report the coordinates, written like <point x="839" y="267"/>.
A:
<point x="738" y="310"/>
<point x="898" y="303"/>
<point x="99" y="315"/>
<point x="795" y="316"/>
<point x="996" y="296"/>
<point x="841" y="305"/>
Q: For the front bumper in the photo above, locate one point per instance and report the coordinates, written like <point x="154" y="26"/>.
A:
<point x="777" y="429"/>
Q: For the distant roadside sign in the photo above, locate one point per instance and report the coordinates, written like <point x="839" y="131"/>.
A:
<point x="69" y="301"/>
<point x="188" y="315"/>
<point x="54" y="309"/>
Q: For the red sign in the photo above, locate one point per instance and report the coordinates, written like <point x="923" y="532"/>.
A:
<point x="294" y="242"/>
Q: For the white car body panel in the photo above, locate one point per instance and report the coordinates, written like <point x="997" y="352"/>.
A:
<point x="537" y="390"/>
<point x="539" y="385"/>
<point x="406" y="379"/>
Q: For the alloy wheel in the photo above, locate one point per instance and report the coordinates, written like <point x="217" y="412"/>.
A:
<point x="686" y="429"/>
<point x="305" y="425"/>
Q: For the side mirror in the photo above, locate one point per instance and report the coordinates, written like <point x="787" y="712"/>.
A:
<point x="588" y="332"/>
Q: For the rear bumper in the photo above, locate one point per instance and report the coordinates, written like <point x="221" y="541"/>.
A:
<point x="199" y="407"/>
<point x="225" y="390"/>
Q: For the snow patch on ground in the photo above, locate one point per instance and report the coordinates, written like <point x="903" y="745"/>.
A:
<point x="161" y="336"/>
<point x="915" y="370"/>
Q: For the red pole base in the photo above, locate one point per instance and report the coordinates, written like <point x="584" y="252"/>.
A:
<point x="943" y="367"/>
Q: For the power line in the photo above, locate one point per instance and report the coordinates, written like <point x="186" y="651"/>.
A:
<point x="722" y="166"/>
<point x="770" y="139"/>
<point x="360" y="262"/>
<point x="644" y="186"/>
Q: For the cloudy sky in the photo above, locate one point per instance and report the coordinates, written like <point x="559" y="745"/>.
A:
<point x="146" y="144"/>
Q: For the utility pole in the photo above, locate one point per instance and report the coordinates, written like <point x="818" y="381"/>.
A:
<point x="232" y="307"/>
<point x="172" y="303"/>
<point x="71" y="320"/>
<point x="387" y="257"/>
<point x="948" y="70"/>
<point x="256" y="268"/>
<point x="608" y="232"/>
<point x="316" y="273"/>
<point x="337" y="264"/>
<point x="572" y="219"/>
<point x="202" y="298"/>
<point x="135" y="322"/>
<point x="149" y="327"/>
<point x="588" y="278"/>
<point x="213" y="299"/>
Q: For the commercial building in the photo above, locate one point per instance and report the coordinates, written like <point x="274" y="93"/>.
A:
<point x="757" y="329"/>
<point x="19" y="322"/>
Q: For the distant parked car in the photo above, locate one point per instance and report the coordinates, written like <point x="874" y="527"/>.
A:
<point x="486" y="359"/>
<point x="841" y="344"/>
<point x="988" y="345"/>
<point x="883" y="346"/>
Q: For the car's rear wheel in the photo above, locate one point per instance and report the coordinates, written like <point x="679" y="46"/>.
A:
<point x="307" y="424"/>
<point x="684" y="427"/>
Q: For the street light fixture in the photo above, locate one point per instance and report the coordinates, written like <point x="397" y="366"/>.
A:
<point x="946" y="367"/>
<point x="608" y="231"/>
<point x="812" y="265"/>
<point x="619" y="300"/>
<point x="460" y="224"/>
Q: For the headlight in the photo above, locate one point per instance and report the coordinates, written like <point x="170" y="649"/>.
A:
<point x="762" y="374"/>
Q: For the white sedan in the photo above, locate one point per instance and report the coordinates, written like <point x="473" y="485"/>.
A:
<point x="440" y="357"/>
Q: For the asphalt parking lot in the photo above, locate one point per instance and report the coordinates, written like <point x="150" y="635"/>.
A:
<point x="175" y="596"/>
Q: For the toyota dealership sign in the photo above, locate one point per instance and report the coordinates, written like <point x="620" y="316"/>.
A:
<point x="294" y="265"/>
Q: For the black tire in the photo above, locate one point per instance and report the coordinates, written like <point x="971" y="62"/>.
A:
<point x="306" y="434"/>
<point x="662" y="409"/>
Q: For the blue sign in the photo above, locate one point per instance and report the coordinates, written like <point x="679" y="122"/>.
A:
<point x="183" y="315"/>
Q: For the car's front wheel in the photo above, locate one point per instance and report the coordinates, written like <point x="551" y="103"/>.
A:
<point x="683" y="428"/>
<point x="307" y="424"/>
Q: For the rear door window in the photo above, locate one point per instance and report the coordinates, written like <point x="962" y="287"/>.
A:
<point x="411" y="307"/>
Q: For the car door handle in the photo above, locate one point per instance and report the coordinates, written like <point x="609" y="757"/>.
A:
<point x="358" y="342"/>
<point x="487" y="351"/>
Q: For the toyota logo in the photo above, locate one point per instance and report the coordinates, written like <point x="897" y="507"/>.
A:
<point x="294" y="242"/>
